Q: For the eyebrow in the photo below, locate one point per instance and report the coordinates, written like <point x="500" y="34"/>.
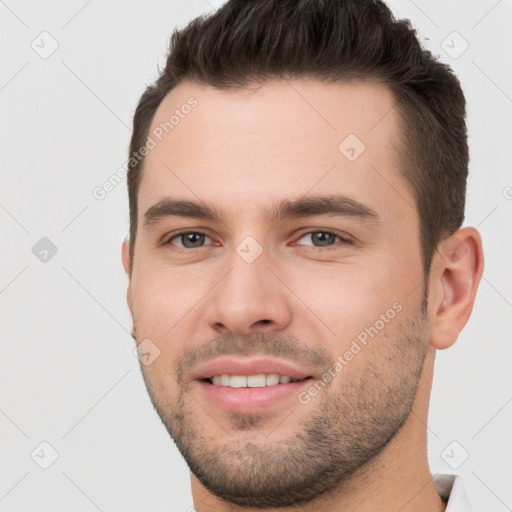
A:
<point x="333" y="205"/>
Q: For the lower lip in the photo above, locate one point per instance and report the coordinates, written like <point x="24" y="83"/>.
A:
<point x="250" y="400"/>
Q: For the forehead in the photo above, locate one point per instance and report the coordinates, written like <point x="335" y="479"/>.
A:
<point x="293" y="110"/>
<point x="283" y="138"/>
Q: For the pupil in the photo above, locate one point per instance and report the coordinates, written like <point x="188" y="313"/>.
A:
<point x="194" y="238"/>
<point x="324" y="238"/>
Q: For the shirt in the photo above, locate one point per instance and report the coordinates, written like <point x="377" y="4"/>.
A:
<point x="450" y="488"/>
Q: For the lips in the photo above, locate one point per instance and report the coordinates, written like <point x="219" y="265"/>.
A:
<point x="251" y="385"/>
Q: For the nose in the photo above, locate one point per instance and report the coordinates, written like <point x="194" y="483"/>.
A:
<point x="249" y="298"/>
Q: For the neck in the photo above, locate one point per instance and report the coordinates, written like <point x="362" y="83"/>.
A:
<point x="398" y="479"/>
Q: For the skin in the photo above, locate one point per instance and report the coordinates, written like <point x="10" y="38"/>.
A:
<point x="242" y="152"/>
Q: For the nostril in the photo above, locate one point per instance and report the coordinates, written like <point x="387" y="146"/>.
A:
<point x="265" y="321"/>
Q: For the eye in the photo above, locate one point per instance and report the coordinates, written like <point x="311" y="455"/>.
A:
<point x="188" y="239"/>
<point x="197" y="239"/>
<point x="322" y="238"/>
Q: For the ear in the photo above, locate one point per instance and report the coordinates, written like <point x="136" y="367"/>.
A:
<point x="125" y="255"/>
<point x="454" y="280"/>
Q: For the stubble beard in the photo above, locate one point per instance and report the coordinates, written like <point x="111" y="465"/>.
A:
<point x="347" y="426"/>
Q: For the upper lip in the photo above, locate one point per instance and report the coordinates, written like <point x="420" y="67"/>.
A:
<point x="249" y="366"/>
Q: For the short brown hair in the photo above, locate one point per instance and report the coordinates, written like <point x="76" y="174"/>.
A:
<point x="247" y="42"/>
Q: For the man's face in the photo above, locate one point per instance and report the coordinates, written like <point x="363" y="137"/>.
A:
<point x="284" y="296"/>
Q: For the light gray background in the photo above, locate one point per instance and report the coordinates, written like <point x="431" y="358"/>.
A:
<point x="68" y="375"/>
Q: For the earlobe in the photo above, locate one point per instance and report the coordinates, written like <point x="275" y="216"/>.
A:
<point x="454" y="282"/>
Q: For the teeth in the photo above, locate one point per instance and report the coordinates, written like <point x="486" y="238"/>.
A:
<point x="238" y="381"/>
<point x="272" y="379"/>
<point x="251" y="381"/>
<point x="255" y="381"/>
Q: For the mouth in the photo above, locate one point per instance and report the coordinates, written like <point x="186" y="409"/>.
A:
<point x="250" y="385"/>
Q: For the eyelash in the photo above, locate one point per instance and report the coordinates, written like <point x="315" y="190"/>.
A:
<point x="189" y="249"/>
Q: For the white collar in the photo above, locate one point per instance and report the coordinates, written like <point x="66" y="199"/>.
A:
<point x="450" y="488"/>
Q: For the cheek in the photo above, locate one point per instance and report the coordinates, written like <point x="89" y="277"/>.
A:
<point x="350" y="298"/>
<point x="157" y="301"/>
<point x="166" y="303"/>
